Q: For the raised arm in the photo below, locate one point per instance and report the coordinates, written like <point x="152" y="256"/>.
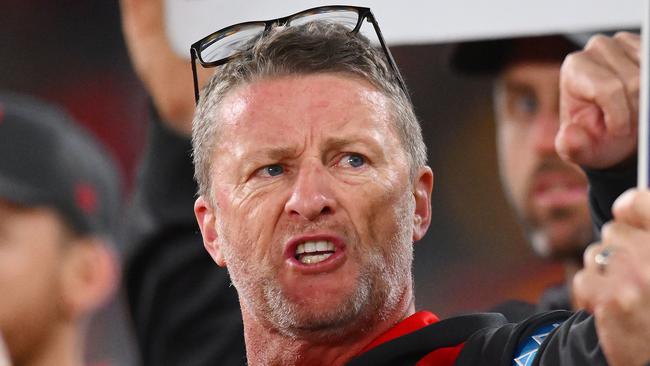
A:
<point x="599" y="111"/>
<point x="184" y="310"/>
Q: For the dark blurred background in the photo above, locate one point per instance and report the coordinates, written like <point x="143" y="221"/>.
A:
<point x="71" y="52"/>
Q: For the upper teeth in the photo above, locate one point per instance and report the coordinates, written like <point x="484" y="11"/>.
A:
<point x="315" y="246"/>
<point x="312" y="252"/>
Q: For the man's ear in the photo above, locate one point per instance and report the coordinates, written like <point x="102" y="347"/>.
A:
<point x="422" y="188"/>
<point x="90" y="275"/>
<point x="204" y="213"/>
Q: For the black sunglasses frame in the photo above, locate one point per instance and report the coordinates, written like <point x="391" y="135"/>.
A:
<point x="363" y="13"/>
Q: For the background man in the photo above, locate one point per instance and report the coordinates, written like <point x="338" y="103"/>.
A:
<point x="59" y="201"/>
<point x="548" y="195"/>
<point x="171" y="282"/>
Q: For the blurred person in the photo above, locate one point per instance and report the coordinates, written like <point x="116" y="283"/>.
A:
<point x="170" y="281"/>
<point x="416" y="336"/>
<point x="59" y="201"/>
<point x="548" y="195"/>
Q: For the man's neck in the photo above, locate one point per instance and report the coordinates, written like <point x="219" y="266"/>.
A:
<point x="269" y="347"/>
<point x="64" y="347"/>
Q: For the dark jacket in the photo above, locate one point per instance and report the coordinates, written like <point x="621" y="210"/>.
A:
<point x="184" y="310"/>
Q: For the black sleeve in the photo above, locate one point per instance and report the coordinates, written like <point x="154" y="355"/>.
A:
<point x="515" y="310"/>
<point x="556" y="338"/>
<point x="604" y="188"/>
<point x="572" y="343"/>
<point x="184" y="309"/>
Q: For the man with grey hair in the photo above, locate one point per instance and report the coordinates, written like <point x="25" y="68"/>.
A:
<point x="327" y="197"/>
<point x="310" y="195"/>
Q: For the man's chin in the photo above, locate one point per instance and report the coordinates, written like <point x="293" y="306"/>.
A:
<point x="333" y="301"/>
<point x="315" y="321"/>
<point x="560" y="241"/>
<point x="301" y="312"/>
<point x="322" y="322"/>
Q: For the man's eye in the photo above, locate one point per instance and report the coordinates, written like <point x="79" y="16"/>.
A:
<point x="353" y="160"/>
<point x="272" y="170"/>
<point x="525" y="105"/>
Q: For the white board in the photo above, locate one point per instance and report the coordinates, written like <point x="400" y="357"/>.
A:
<point x="417" y="22"/>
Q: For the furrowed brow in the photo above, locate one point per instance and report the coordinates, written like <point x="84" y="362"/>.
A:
<point x="336" y="143"/>
<point x="272" y="153"/>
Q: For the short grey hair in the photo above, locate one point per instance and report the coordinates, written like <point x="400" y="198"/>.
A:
<point x="315" y="47"/>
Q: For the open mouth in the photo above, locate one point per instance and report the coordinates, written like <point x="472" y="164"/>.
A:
<point x="313" y="252"/>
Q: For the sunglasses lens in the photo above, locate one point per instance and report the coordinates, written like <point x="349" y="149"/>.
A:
<point x="229" y="42"/>
<point x="347" y="18"/>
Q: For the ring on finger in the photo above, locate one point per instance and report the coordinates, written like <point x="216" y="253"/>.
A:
<point x="602" y="259"/>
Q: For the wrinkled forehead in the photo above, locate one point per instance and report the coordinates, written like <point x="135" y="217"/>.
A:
<point x="286" y="106"/>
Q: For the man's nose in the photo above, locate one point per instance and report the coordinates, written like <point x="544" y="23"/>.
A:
<point x="312" y="194"/>
<point x="545" y="128"/>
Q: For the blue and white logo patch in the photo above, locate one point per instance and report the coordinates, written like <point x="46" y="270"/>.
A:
<point x="527" y="350"/>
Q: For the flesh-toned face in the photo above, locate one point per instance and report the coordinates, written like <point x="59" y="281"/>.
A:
<point x="31" y="241"/>
<point x="315" y="213"/>
<point x="549" y="195"/>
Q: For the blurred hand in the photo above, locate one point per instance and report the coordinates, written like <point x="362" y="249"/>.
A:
<point x="167" y="77"/>
<point x="618" y="293"/>
<point x="599" y="99"/>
